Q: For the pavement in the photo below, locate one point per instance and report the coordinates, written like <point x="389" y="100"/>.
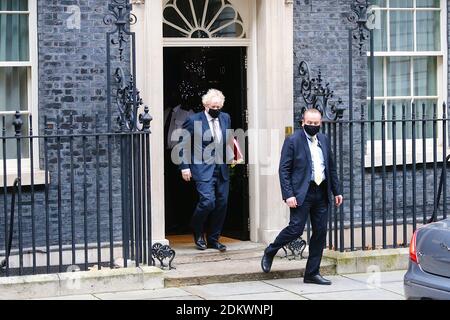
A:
<point x="364" y="286"/>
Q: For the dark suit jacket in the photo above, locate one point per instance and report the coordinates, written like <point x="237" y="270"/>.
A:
<point x="202" y="168"/>
<point x="296" y="167"/>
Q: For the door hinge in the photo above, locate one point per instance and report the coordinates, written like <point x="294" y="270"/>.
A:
<point x="248" y="226"/>
<point x="245" y="62"/>
<point x="246" y="116"/>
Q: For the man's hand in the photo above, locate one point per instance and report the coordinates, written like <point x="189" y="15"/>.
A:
<point x="338" y="200"/>
<point x="292" y="202"/>
<point x="186" y="174"/>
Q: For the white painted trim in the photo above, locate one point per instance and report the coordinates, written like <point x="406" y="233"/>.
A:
<point x="38" y="177"/>
<point x="16" y="64"/>
<point x="15" y="12"/>
<point x="405" y="98"/>
<point x="399" y="156"/>
<point x="253" y="119"/>
<point x="406" y="53"/>
<point x="33" y="76"/>
<point x="414" y="27"/>
<point x="215" y="42"/>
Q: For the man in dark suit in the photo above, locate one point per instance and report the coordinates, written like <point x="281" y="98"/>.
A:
<point x="207" y="166"/>
<point x="308" y="180"/>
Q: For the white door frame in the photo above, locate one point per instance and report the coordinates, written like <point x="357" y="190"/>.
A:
<point x="269" y="30"/>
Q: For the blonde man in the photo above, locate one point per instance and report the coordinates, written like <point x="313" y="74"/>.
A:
<point x="208" y="170"/>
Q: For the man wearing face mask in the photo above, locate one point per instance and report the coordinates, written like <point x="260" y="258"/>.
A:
<point x="308" y="181"/>
<point x="208" y="168"/>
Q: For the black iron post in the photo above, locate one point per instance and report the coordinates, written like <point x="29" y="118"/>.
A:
<point x="18" y="123"/>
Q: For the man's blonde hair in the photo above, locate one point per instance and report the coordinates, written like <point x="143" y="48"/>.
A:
<point x="211" y="94"/>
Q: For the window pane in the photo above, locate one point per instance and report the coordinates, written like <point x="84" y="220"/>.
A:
<point x="173" y="17"/>
<point x="13" y="5"/>
<point x="170" y="32"/>
<point x="402" y="30"/>
<point x="11" y="144"/>
<point x="428" y="105"/>
<point x="398" y="73"/>
<point x="14" y="37"/>
<point x="380" y="30"/>
<point x="427" y="3"/>
<point x="397" y="107"/>
<point x="425" y="76"/>
<point x="428" y="31"/>
<point x="379" y="79"/>
<point x="377" y="111"/>
<point x="185" y="8"/>
<point x="13" y="89"/>
<point x="233" y="30"/>
<point x="401" y="3"/>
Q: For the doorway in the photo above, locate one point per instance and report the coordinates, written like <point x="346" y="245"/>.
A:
<point x="188" y="73"/>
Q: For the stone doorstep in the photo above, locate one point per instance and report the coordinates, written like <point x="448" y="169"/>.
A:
<point x="81" y="282"/>
<point x="369" y="261"/>
<point x="211" y="256"/>
<point x="239" y="270"/>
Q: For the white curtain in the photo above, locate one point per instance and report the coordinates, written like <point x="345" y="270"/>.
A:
<point x="428" y="31"/>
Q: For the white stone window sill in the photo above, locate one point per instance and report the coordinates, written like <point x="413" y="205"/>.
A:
<point x="39" y="177"/>
<point x="378" y="160"/>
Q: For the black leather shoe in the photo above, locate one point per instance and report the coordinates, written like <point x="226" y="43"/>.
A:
<point x="317" y="279"/>
<point x="266" y="262"/>
<point x="199" y="241"/>
<point x="217" y="245"/>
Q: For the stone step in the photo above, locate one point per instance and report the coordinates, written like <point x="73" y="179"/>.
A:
<point x="187" y="254"/>
<point x="247" y="269"/>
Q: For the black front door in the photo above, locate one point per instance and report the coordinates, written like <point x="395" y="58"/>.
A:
<point x="222" y="68"/>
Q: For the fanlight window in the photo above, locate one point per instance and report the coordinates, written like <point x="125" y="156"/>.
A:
<point x="201" y="19"/>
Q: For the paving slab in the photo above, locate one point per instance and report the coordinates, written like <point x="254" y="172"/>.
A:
<point x="383" y="277"/>
<point x="144" y="294"/>
<point x="369" y="294"/>
<point x="75" y="297"/>
<point x="227" y="289"/>
<point x="262" y="296"/>
<point x="181" y="298"/>
<point x="297" y="286"/>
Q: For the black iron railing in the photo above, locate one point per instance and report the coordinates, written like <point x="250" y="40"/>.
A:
<point x="393" y="170"/>
<point x="67" y="217"/>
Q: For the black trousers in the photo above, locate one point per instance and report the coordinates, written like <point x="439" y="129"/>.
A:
<point x="316" y="205"/>
<point x="209" y="215"/>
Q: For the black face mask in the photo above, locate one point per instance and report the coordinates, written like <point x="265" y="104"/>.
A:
<point x="311" y="130"/>
<point x="214" y="113"/>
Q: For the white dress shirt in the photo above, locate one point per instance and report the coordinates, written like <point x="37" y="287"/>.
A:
<point x="318" y="163"/>
<point x="214" y="126"/>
